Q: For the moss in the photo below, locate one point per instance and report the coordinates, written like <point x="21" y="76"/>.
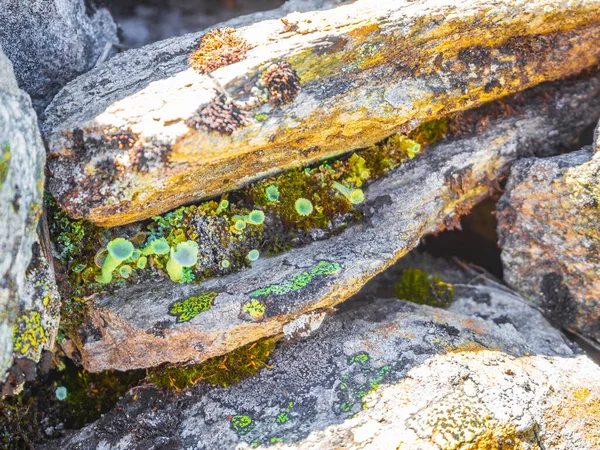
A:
<point x="420" y="287"/>
<point x="218" y="48"/>
<point x="282" y="83"/>
<point x="222" y="370"/>
<point x="189" y="308"/>
<point x="4" y="164"/>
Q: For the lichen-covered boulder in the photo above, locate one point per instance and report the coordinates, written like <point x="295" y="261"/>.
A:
<point x="22" y="158"/>
<point x="195" y="116"/>
<point x="386" y="374"/>
<point x="150" y="321"/>
<point x="548" y="226"/>
<point x="50" y="42"/>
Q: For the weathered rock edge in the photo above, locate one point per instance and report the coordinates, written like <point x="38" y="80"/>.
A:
<point x="385" y="374"/>
<point x="22" y="158"/>
<point x="367" y="70"/>
<point x="133" y="328"/>
<point x="548" y="228"/>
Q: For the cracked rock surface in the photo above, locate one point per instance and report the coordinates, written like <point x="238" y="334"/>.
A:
<point x="385" y="373"/>
<point x="133" y="327"/>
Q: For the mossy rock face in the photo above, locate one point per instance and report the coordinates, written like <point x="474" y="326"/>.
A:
<point x="423" y="195"/>
<point x="22" y="158"/>
<point x="145" y="140"/>
<point x="385" y="371"/>
<point x="548" y="227"/>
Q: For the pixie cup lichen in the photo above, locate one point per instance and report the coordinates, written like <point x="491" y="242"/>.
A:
<point x="303" y="206"/>
<point x="119" y="250"/>
<point x="157" y="247"/>
<point x="354" y="196"/>
<point x="185" y="255"/>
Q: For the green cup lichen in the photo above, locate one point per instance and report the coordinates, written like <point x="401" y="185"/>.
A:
<point x="253" y="255"/>
<point x="125" y="271"/>
<point x="272" y="193"/>
<point x="119" y="250"/>
<point x="185" y="255"/>
<point x="354" y="196"/>
<point x="256" y="217"/>
<point x="304" y="206"/>
<point x="141" y="262"/>
<point x="157" y="247"/>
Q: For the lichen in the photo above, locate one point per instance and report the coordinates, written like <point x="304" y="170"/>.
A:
<point x="299" y="281"/>
<point x="4" y="164"/>
<point x="189" y="308"/>
<point x="420" y="287"/>
<point x="222" y="370"/>
<point x="242" y="424"/>
<point x="254" y="308"/>
<point x="218" y="48"/>
<point x="29" y="336"/>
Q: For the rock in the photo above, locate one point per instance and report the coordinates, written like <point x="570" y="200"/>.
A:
<point x="22" y="158"/>
<point x="50" y="42"/>
<point x="385" y="373"/>
<point x="548" y="226"/>
<point x="333" y="80"/>
<point x="155" y="321"/>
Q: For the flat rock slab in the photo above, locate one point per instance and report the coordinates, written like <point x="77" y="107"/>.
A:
<point x="548" y="226"/>
<point x="22" y="158"/>
<point x="385" y="374"/>
<point x="132" y="138"/>
<point x="156" y="322"/>
<point x="50" y="42"/>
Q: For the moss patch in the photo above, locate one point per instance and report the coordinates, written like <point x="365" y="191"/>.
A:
<point x="420" y="287"/>
<point x="222" y="370"/>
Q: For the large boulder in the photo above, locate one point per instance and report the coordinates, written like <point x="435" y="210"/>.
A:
<point x="385" y="374"/>
<point x="22" y="158"/>
<point x="195" y="116"/>
<point x="548" y="226"/>
<point x="145" y="321"/>
<point x="50" y="42"/>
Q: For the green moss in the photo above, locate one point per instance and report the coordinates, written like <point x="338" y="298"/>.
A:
<point x="191" y="307"/>
<point x="222" y="371"/>
<point x="4" y="164"/>
<point x="298" y="281"/>
<point x="431" y="132"/>
<point x="420" y="287"/>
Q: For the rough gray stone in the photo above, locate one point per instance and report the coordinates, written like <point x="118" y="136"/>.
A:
<point x="386" y="374"/>
<point x="424" y="195"/>
<point x="22" y="158"/>
<point x="50" y="42"/>
<point x="548" y="227"/>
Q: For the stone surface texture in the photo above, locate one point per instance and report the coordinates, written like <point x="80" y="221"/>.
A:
<point x="367" y="69"/>
<point x="548" y="227"/>
<point x="50" y="42"/>
<point x="132" y="328"/>
<point x="22" y="158"/>
<point x="386" y="374"/>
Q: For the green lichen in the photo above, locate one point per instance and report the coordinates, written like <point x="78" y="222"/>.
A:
<point x="189" y="308"/>
<point x="298" y="281"/>
<point x="420" y="287"/>
<point x="4" y="164"/>
<point x="242" y="424"/>
<point x="253" y="255"/>
<point x="303" y="206"/>
<point x="272" y="193"/>
<point x="254" y="308"/>
<point x="361" y="358"/>
<point x="29" y="335"/>
<point x="221" y="371"/>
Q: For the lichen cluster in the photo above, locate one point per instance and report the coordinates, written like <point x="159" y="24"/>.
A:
<point x="189" y="308"/>
<point x="420" y="287"/>
<point x="299" y="281"/>
<point x="29" y="336"/>
<point x="4" y="164"/>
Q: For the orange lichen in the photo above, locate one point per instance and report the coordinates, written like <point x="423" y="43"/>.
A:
<point x="219" y="48"/>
